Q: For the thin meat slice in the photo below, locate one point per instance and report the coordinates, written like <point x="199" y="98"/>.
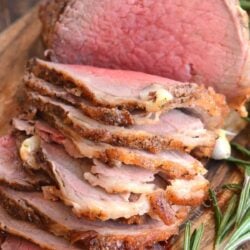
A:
<point x="30" y="232"/>
<point x="86" y="200"/>
<point x="16" y="243"/>
<point x="162" y="137"/>
<point x="12" y="172"/>
<point x="59" y="220"/>
<point x="121" y="179"/>
<point x="111" y="116"/>
<point x="125" y="87"/>
<point x="174" y="164"/>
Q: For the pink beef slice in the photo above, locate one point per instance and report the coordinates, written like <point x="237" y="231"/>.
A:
<point x="187" y="40"/>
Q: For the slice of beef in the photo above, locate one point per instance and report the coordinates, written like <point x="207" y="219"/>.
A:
<point x="127" y="89"/>
<point x="174" y="164"/>
<point x="121" y="179"/>
<point x="16" y="243"/>
<point x="58" y="219"/>
<point x="12" y="172"/>
<point x="150" y="137"/>
<point x="31" y="233"/>
<point x="75" y="191"/>
<point x="205" y="43"/>
<point x="111" y="116"/>
<point x="89" y="201"/>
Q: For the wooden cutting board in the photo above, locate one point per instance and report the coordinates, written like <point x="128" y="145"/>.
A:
<point x="22" y="41"/>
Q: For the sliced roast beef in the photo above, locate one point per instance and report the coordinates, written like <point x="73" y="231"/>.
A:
<point x="151" y="137"/>
<point x="134" y="90"/>
<point x="205" y="43"/>
<point x="86" y="200"/>
<point x="58" y="219"/>
<point x="121" y="179"/>
<point x="112" y="116"/>
<point x="89" y="201"/>
<point x="173" y="163"/>
<point x="30" y="232"/>
<point x="12" y="172"/>
<point x="16" y="243"/>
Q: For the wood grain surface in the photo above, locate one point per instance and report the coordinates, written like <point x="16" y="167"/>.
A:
<point x="22" y="41"/>
<point x="11" y="10"/>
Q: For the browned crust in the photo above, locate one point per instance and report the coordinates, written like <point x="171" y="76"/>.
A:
<point x="91" y="239"/>
<point x="49" y="14"/>
<point x="110" y="116"/>
<point x="191" y="200"/>
<point x="131" y="157"/>
<point x="142" y="140"/>
<point x="205" y="103"/>
<point x="162" y="208"/>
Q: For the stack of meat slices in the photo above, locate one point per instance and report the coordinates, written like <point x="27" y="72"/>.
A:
<point x="109" y="157"/>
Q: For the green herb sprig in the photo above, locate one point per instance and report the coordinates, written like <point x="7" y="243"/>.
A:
<point x="234" y="223"/>
<point x="192" y="242"/>
<point x="236" y="219"/>
<point x="245" y="4"/>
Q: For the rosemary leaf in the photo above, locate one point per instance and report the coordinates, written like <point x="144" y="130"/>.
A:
<point x="243" y="232"/>
<point x="232" y="186"/>
<point x="197" y="236"/>
<point x="241" y="149"/>
<point x="187" y="236"/>
<point x="226" y="217"/>
<point x="245" y="164"/>
<point x="244" y="199"/>
<point x="229" y="226"/>
<point x="246" y="6"/>
<point x="193" y="238"/>
<point x="233" y="246"/>
<point x="217" y="211"/>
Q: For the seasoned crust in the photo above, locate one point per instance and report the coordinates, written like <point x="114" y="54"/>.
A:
<point x="21" y="209"/>
<point x="110" y="116"/>
<point x="203" y="102"/>
<point x="139" y="140"/>
<point x="49" y="13"/>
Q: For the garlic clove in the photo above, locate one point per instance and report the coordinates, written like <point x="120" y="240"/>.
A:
<point x="222" y="149"/>
<point x="28" y="150"/>
<point x="156" y="97"/>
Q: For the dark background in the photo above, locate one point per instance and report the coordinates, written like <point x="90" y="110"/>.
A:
<point x="11" y="10"/>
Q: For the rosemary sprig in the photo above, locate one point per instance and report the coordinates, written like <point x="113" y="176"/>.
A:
<point x="244" y="198"/>
<point x="245" y="4"/>
<point x="236" y="217"/>
<point x="232" y="186"/>
<point x="192" y="242"/>
<point x="242" y="163"/>
<point x="241" y="149"/>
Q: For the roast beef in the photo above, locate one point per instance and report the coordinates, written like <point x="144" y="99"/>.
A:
<point x="173" y="163"/>
<point x="112" y="116"/>
<point x="32" y="233"/>
<point x="16" y="243"/>
<point x="85" y="199"/>
<point x="89" y="201"/>
<point x="91" y="83"/>
<point x="150" y="137"/>
<point x="121" y="179"/>
<point x="205" y="43"/>
<point x="12" y="172"/>
<point x="58" y="219"/>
